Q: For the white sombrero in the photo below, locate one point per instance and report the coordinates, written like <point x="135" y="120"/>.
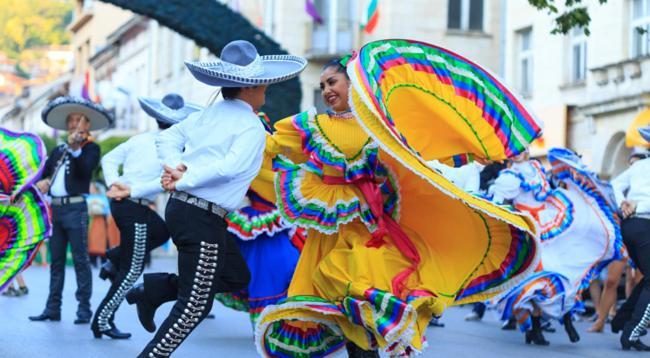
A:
<point x="171" y="109"/>
<point x="241" y="66"/>
<point x="56" y="113"/>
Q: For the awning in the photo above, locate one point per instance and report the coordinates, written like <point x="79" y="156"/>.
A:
<point x="632" y="136"/>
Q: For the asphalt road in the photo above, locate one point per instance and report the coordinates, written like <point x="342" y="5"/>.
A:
<point x="230" y="334"/>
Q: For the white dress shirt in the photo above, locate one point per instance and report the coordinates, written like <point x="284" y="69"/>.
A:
<point x="57" y="187"/>
<point x="141" y="169"/>
<point x="466" y="177"/>
<point x="636" y="181"/>
<point x="223" y="150"/>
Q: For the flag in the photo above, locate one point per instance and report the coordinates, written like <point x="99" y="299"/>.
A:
<point x="312" y="11"/>
<point x="372" y="17"/>
<point x="85" y="89"/>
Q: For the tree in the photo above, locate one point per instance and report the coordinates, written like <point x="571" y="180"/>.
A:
<point x="573" y="15"/>
<point x="30" y="23"/>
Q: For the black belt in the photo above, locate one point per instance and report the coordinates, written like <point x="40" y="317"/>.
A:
<point x="141" y="201"/>
<point x="200" y="203"/>
<point x="66" y="200"/>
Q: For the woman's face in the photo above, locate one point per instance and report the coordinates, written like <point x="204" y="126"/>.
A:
<point x="334" y="89"/>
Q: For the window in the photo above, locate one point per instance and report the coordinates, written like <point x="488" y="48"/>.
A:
<point x="525" y="61"/>
<point x="640" y="20"/>
<point x="465" y="15"/>
<point x="578" y="55"/>
<point x="335" y="34"/>
<point x="269" y="17"/>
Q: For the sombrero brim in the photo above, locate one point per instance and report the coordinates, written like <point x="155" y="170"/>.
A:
<point x="56" y="113"/>
<point x="645" y="133"/>
<point x="161" y="113"/>
<point x="277" y="68"/>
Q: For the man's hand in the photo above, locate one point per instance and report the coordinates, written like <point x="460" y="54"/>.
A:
<point x="119" y="191"/>
<point x="43" y="185"/>
<point x="75" y="139"/>
<point x="171" y="176"/>
<point x="628" y="208"/>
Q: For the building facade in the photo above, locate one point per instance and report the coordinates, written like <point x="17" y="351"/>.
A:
<point x="586" y="89"/>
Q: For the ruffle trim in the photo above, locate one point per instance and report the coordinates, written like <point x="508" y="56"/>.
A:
<point x="380" y="313"/>
<point x="321" y="152"/>
<point x="248" y="223"/>
<point x="312" y="213"/>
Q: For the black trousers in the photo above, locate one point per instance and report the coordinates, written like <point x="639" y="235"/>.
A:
<point x="636" y="236"/>
<point x="141" y="230"/>
<point x="70" y="226"/>
<point x="209" y="262"/>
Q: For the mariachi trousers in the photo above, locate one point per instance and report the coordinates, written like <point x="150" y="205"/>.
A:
<point x="141" y="230"/>
<point x="209" y="262"/>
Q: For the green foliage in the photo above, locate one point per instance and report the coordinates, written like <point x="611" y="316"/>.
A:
<point x="50" y="143"/>
<point x="574" y="14"/>
<point x="106" y="146"/>
<point x="29" y="23"/>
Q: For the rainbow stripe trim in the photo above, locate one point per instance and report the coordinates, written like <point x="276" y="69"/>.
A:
<point x="515" y="127"/>
<point x="23" y="226"/>
<point x="543" y="286"/>
<point x="21" y="161"/>
<point x="518" y="261"/>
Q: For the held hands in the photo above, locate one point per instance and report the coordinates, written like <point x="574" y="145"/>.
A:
<point x="118" y="191"/>
<point x="628" y="208"/>
<point x="171" y="176"/>
<point x="43" y="185"/>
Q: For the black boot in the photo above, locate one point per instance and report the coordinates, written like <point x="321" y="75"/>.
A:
<point x="113" y="333"/>
<point x="108" y="271"/>
<point x="627" y="343"/>
<point x="535" y="334"/>
<point x="355" y="351"/>
<point x="146" y="310"/>
<point x="509" y="325"/>
<point x="569" y="328"/>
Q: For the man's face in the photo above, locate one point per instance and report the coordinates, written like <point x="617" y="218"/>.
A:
<point x="257" y="96"/>
<point x="77" y="122"/>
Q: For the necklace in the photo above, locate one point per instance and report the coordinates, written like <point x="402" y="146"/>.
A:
<point x="341" y="115"/>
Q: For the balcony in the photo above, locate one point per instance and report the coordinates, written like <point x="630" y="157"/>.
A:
<point x="83" y="13"/>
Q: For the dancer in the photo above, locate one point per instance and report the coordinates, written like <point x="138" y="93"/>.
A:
<point x="632" y="189"/>
<point x="25" y="216"/>
<point x="269" y="244"/>
<point x="579" y="232"/>
<point x="66" y="177"/>
<point x="390" y="241"/>
<point x="210" y="160"/>
<point x="131" y="194"/>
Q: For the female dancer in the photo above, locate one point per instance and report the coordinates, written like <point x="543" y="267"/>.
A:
<point x="580" y="235"/>
<point x="390" y="242"/>
<point x="24" y="215"/>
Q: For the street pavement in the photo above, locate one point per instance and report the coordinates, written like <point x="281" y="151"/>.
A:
<point x="230" y="334"/>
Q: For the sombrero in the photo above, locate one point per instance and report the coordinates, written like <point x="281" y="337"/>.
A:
<point x="241" y="66"/>
<point x="55" y="114"/>
<point x="171" y="109"/>
<point x="645" y="133"/>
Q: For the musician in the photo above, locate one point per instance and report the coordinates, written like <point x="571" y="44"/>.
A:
<point x="66" y="178"/>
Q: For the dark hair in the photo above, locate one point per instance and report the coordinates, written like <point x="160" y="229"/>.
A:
<point x="230" y="92"/>
<point x="163" y="125"/>
<point x="336" y="63"/>
<point x="490" y="173"/>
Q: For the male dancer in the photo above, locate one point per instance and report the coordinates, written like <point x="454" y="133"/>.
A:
<point x="210" y="160"/>
<point x="132" y="193"/>
<point x="632" y="190"/>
